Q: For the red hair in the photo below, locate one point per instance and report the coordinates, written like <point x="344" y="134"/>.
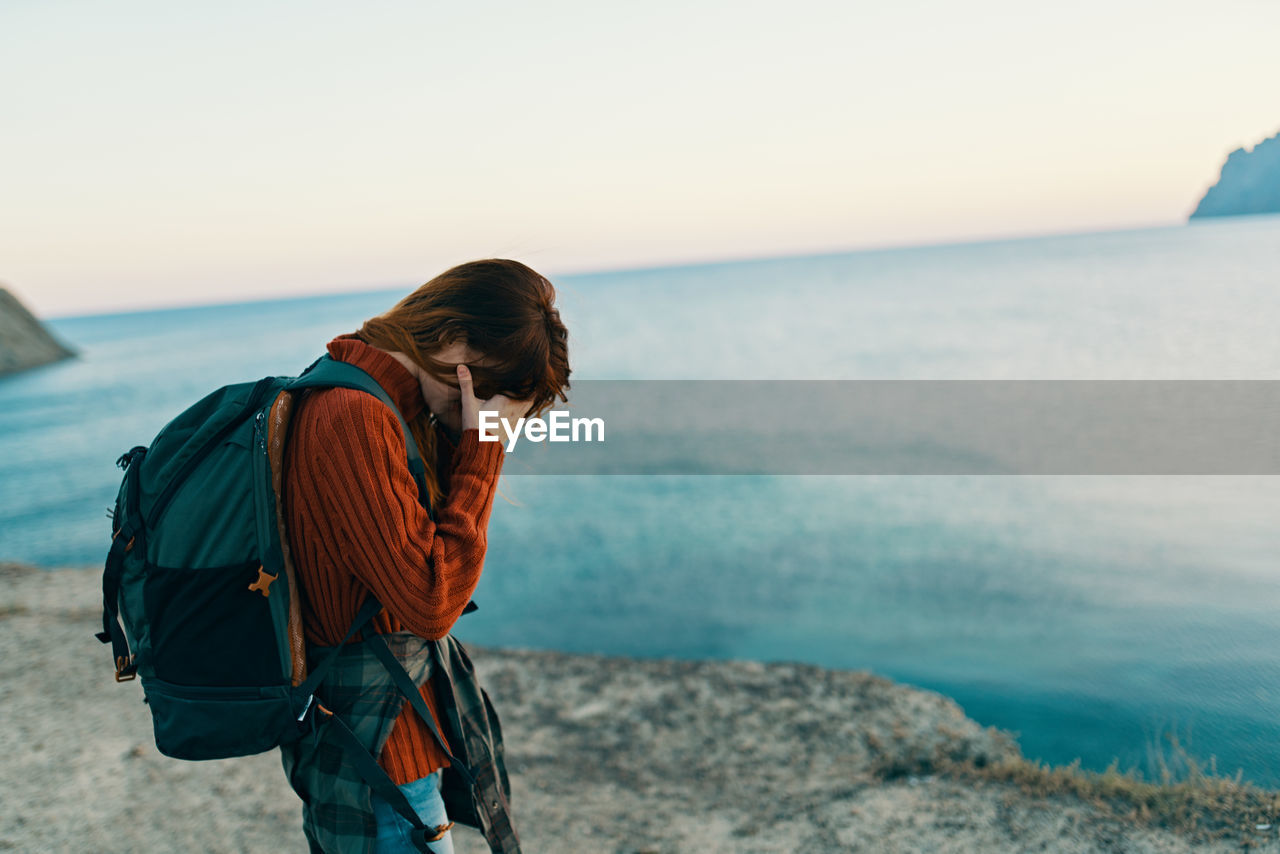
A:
<point x="501" y="309"/>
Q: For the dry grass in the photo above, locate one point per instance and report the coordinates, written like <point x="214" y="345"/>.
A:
<point x="1188" y="797"/>
<point x="1202" y="806"/>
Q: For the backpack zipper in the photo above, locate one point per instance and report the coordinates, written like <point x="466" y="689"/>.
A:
<point x="198" y="692"/>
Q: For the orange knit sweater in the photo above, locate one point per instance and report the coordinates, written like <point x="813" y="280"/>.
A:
<point x="355" y="526"/>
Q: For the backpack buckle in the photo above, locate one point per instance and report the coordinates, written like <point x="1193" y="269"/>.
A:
<point x="126" y="669"/>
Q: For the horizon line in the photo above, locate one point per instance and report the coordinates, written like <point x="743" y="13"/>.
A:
<point x="670" y="264"/>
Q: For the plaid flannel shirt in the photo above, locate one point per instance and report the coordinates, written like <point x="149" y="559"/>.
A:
<point x="337" y="812"/>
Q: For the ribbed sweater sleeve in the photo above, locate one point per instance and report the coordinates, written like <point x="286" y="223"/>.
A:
<point x="423" y="572"/>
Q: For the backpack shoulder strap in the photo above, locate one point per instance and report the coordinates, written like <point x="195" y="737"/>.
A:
<point x="327" y="372"/>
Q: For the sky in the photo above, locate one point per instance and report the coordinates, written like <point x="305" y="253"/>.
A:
<point x="161" y="153"/>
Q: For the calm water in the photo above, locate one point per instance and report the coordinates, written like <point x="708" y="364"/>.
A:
<point x="1088" y="613"/>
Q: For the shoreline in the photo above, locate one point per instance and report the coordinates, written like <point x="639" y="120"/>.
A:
<point x="605" y="754"/>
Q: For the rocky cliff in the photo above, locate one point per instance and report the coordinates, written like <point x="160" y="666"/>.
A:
<point x="1248" y="184"/>
<point x="606" y="756"/>
<point x="24" y="342"/>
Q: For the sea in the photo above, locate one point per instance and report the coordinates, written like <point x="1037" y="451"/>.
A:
<point x="1103" y="618"/>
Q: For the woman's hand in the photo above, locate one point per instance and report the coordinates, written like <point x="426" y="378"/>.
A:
<point x="507" y="409"/>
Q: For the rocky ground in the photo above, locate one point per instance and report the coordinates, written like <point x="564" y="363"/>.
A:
<point x="606" y="755"/>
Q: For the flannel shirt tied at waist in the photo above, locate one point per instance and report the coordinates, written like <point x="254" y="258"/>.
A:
<point x="337" y="812"/>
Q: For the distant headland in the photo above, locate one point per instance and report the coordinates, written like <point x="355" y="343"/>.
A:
<point x="24" y="342"/>
<point x="1248" y="184"/>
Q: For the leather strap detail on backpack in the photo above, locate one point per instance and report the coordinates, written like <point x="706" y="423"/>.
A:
<point x="277" y="432"/>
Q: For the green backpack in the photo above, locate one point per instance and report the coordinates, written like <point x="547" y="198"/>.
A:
<point x="199" y="600"/>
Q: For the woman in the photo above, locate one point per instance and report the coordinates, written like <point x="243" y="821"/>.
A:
<point x="483" y="335"/>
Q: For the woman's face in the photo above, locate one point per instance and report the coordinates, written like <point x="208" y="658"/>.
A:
<point x="443" y="399"/>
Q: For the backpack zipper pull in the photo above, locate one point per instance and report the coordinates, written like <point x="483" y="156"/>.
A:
<point x="257" y="428"/>
<point x="263" y="584"/>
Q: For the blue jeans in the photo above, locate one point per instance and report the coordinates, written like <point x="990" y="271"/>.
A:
<point x="393" y="830"/>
